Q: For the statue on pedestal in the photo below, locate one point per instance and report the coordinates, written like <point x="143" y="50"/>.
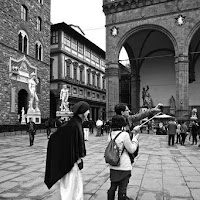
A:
<point x="33" y="81"/>
<point x="194" y="114"/>
<point x="64" y="95"/>
<point x="146" y="97"/>
<point x="23" y="119"/>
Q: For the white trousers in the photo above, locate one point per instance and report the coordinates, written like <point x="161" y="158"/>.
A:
<point x="86" y="133"/>
<point x="71" y="185"/>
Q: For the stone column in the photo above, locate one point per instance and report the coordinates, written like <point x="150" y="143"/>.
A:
<point x="182" y="97"/>
<point x="13" y="91"/>
<point x="112" y="89"/>
<point x="135" y="93"/>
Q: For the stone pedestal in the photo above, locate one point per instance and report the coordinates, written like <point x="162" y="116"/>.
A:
<point x="65" y="115"/>
<point x="35" y="115"/>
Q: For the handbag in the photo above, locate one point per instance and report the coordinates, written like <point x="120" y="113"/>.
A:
<point x="133" y="155"/>
<point x="80" y="164"/>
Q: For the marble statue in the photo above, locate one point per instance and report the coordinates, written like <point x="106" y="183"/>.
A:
<point x="64" y="95"/>
<point x="33" y="81"/>
<point x="23" y="119"/>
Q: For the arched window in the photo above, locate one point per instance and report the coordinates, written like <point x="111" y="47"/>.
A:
<point x="24" y="13"/>
<point x="20" y="41"/>
<point x="40" y="1"/>
<point x="38" y="51"/>
<point x="23" y="42"/>
<point x="39" y="24"/>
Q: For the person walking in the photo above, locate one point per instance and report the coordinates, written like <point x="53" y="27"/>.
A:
<point x="171" y="131"/>
<point x="194" y="129"/>
<point x="48" y="127"/>
<point x="99" y="124"/>
<point x="66" y="148"/>
<point x="120" y="175"/>
<point x="91" y="125"/>
<point x="86" y="130"/>
<point x="31" y="129"/>
<point x="178" y="132"/>
<point x="184" y="130"/>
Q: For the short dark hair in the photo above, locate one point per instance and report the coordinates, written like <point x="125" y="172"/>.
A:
<point x="118" y="121"/>
<point x="119" y="108"/>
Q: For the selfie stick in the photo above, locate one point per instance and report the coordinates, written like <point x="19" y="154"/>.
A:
<point x="149" y="119"/>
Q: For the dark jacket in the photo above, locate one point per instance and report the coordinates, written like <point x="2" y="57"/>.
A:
<point x="65" y="147"/>
<point x="28" y="126"/>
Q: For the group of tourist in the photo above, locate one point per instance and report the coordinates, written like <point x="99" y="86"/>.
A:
<point x="180" y="130"/>
<point x="66" y="148"/>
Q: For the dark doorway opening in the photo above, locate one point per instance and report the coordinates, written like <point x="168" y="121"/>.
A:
<point x="22" y="101"/>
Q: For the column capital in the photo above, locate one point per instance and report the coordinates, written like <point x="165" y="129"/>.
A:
<point x="181" y="58"/>
<point x="111" y="71"/>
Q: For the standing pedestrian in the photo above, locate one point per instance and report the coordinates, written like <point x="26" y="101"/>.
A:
<point x="58" y="122"/>
<point x="31" y="130"/>
<point x="194" y="129"/>
<point x="178" y="132"/>
<point x="171" y="131"/>
<point x="48" y="127"/>
<point x="99" y="124"/>
<point x="120" y="175"/>
<point x="184" y="130"/>
<point x="91" y="125"/>
<point x="65" y="149"/>
<point x="86" y="130"/>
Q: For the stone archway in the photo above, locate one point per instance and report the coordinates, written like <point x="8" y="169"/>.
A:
<point x="194" y="69"/>
<point x="151" y="54"/>
<point x="22" y="101"/>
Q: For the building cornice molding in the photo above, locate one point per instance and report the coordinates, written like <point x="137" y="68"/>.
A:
<point x="123" y="5"/>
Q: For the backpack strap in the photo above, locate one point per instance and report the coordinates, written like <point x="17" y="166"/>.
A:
<point x="123" y="147"/>
<point x="115" y="136"/>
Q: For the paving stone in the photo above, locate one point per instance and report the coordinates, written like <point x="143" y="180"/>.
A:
<point x="159" y="172"/>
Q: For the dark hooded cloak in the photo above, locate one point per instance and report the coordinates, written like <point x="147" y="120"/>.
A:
<point x="65" y="146"/>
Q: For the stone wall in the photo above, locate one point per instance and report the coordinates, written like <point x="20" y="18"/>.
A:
<point x="10" y="24"/>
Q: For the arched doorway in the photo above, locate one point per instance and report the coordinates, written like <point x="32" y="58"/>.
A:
<point x="22" y="101"/>
<point x="52" y="105"/>
<point x="194" y="70"/>
<point x="150" y="55"/>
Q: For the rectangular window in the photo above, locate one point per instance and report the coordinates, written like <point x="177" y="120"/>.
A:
<point x="93" y="79"/>
<point x="75" y="73"/>
<point x="74" y="44"/>
<point x="88" y="77"/>
<point x="67" y="40"/>
<point x="98" y="83"/>
<point x="68" y="70"/>
<point x="54" y="37"/>
<point x="24" y="12"/>
<point x="39" y="24"/>
<point x="80" y="48"/>
<point x="81" y="75"/>
<point x="87" y="53"/>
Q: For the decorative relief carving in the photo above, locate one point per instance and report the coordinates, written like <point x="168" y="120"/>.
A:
<point x="114" y="6"/>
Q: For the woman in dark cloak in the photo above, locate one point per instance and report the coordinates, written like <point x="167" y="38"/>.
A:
<point x="66" y="146"/>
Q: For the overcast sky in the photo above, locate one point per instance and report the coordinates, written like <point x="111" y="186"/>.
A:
<point x="87" y="14"/>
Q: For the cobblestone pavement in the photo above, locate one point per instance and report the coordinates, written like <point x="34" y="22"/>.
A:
<point x="160" y="172"/>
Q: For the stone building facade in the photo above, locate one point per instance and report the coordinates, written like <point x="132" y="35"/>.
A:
<point x="24" y="48"/>
<point x="79" y="64"/>
<point x="162" y="41"/>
